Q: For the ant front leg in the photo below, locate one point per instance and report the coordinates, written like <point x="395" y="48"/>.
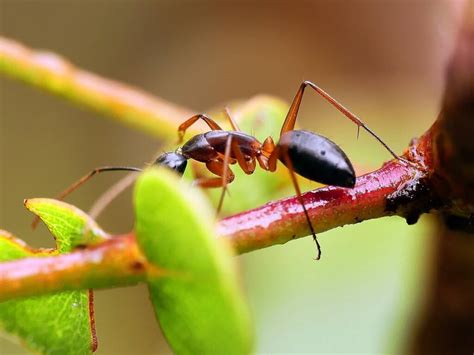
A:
<point x="246" y="163"/>
<point x="290" y="120"/>
<point x="226" y="176"/>
<point x="220" y="168"/>
<point x="190" y="121"/>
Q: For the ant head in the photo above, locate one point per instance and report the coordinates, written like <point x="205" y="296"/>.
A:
<point x="172" y="160"/>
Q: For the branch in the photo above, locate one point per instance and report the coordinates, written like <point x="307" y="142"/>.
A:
<point x="123" y="103"/>
<point x="393" y="189"/>
<point x="116" y="262"/>
<point x="284" y="220"/>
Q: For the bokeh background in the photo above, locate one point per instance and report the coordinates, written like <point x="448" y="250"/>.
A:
<point x="383" y="59"/>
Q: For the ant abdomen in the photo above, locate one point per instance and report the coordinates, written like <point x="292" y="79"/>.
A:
<point x="317" y="158"/>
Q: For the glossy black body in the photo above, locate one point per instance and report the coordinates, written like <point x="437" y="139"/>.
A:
<point x="317" y="158"/>
<point x="172" y="160"/>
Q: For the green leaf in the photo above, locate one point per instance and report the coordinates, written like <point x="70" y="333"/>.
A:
<point x="70" y="226"/>
<point x="59" y="323"/>
<point x="198" y="303"/>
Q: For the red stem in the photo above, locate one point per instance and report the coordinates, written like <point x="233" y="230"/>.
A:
<point x="281" y="221"/>
<point x="119" y="261"/>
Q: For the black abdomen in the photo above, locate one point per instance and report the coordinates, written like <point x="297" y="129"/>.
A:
<point x="317" y="158"/>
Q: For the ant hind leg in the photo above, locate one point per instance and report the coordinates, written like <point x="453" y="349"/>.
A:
<point x="290" y="119"/>
<point x="283" y="153"/>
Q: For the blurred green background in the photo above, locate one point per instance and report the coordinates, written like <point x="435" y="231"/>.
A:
<point x="383" y="59"/>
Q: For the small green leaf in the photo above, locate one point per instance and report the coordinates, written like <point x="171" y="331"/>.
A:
<point x="69" y="225"/>
<point x="59" y="323"/>
<point x="198" y="303"/>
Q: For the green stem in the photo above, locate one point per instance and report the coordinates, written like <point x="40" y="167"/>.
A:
<point x="116" y="262"/>
<point x="123" y="103"/>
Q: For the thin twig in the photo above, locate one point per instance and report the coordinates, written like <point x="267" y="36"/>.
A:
<point x="121" y="102"/>
<point x="116" y="262"/>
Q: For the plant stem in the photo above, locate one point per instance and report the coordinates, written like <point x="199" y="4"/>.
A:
<point x="281" y="221"/>
<point x="123" y="103"/>
<point x="116" y="262"/>
<point x="119" y="261"/>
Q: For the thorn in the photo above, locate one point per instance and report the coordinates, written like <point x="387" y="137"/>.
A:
<point x="358" y="131"/>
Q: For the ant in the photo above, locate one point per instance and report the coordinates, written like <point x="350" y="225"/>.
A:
<point x="304" y="153"/>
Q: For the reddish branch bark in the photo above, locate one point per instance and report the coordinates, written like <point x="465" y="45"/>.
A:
<point x="375" y="195"/>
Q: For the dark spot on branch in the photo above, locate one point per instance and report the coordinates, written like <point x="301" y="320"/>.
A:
<point x="137" y="266"/>
<point x="413" y="199"/>
<point x="412" y="217"/>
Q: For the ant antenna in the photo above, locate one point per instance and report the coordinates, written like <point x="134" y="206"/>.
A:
<point x="83" y="180"/>
<point x="110" y="194"/>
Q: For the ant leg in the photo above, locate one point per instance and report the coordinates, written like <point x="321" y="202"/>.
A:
<point x="246" y="164"/>
<point x="226" y="176"/>
<point x="272" y="162"/>
<point x="83" y="180"/>
<point x="233" y="123"/>
<point x="212" y="182"/>
<point x="290" y="120"/>
<point x="300" y="199"/>
<point x="222" y="169"/>
<point x="190" y="121"/>
<point x="273" y="159"/>
<point x="228" y="148"/>
<point x="268" y="150"/>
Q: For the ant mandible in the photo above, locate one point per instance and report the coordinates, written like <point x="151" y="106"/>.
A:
<point x="305" y="153"/>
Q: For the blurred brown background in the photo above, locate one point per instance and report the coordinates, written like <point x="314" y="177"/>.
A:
<point x="383" y="59"/>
